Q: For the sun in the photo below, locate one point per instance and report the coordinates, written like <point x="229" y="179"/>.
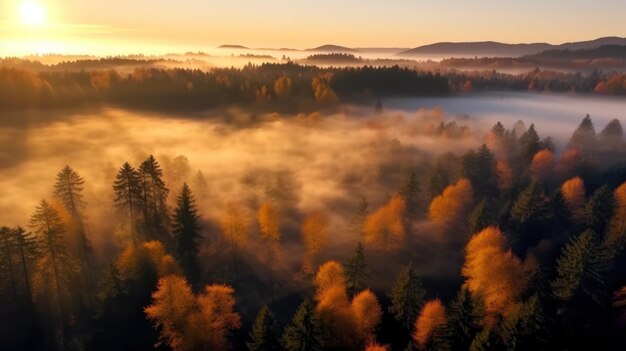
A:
<point x="33" y="13"/>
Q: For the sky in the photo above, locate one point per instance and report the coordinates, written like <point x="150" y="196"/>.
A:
<point x="159" y="26"/>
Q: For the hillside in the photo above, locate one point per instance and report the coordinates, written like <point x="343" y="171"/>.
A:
<point x="332" y="48"/>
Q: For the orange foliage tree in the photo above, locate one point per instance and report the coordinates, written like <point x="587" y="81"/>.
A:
<point x="542" y="164"/>
<point x="617" y="227"/>
<point x="190" y="322"/>
<point x="505" y="175"/>
<point x="573" y="192"/>
<point x="449" y="208"/>
<point x="494" y="273"/>
<point x="432" y="316"/>
<point x="234" y="229"/>
<point x="315" y="236"/>
<point x="385" y="227"/>
<point x="367" y="313"/>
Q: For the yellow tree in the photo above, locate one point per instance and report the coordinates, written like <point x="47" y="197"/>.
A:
<point x="505" y="175"/>
<point x="449" y="208"/>
<point x="385" y="227"/>
<point x="330" y="274"/>
<point x="494" y="273"/>
<point x="432" y="316"/>
<point x="282" y="87"/>
<point x="217" y="316"/>
<point x="617" y="227"/>
<point x="134" y="260"/>
<point x="573" y="192"/>
<point x="270" y="234"/>
<point x="367" y="315"/>
<point x="235" y="230"/>
<point x="315" y="236"/>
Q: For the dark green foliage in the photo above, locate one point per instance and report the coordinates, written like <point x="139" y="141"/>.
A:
<point x="410" y="192"/>
<point x="154" y="196"/>
<point x="186" y="233"/>
<point x="128" y="196"/>
<point x="264" y="335"/>
<point x="18" y="253"/>
<point x="407" y="297"/>
<point x="356" y="271"/>
<point x="358" y="220"/>
<point x="525" y="328"/>
<point x="304" y="332"/>
<point x="580" y="269"/>
<point x="584" y="137"/>
<point x="530" y="214"/>
<point x="465" y="316"/>
<point x="480" y="168"/>
<point x="529" y="144"/>
<point x="599" y="209"/>
<point x="480" y="217"/>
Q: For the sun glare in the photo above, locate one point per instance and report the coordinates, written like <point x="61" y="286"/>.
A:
<point x="32" y="13"/>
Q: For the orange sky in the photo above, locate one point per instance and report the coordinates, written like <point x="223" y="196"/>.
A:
<point x="158" y="26"/>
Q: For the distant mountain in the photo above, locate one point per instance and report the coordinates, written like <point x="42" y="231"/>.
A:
<point x="332" y="48"/>
<point x="603" y="52"/>
<point x="227" y="46"/>
<point x="496" y="49"/>
<point x="381" y="50"/>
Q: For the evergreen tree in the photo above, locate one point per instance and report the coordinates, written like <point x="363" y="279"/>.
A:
<point x="480" y="168"/>
<point x="56" y="262"/>
<point x="525" y="328"/>
<point x="264" y="335"/>
<point x="127" y="187"/>
<point x="18" y="251"/>
<point x="529" y="215"/>
<point x="358" y="221"/>
<point x="304" y="333"/>
<point x="465" y="318"/>
<point x="410" y="191"/>
<point x="479" y="218"/>
<point x="599" y="210"/>
<point x="154" y="194"/>
<point x="584" y="137"/>
<point x="407" y="297"/>
<point x="186" y="233"/>
<point x="580" y="269"/>
<point x="200" y="186"/>
<point x="68" y="188"/>
<point x="529" y="144"/>
<point x="356" y="271"/>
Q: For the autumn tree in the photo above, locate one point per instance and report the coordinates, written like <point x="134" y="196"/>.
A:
<point x="385" y="227"/>
<point x="234" y="229"/>
<point x="315" y="236"/>
<point x="185" y="228"/>
<point x="356" y="271"/>
<point x="217" y="317"/>
<point x="407" y="296"/>
<point x="542" y="165"/>
<point x="573" y="192"/>
<point x="264" y="334"/>
<point x="282" y="87"/>
<point x="304" y="333"/>
<point x="493" y="273"/>
<point x="270" y="234"/>
<point x="368" y="314"/>
<point x="448" y="209"/>
<point x="504" y="174"/>
<point x="68" y="189"/>
<point x="430" y="324"/>
<point x="128" y="196"/>
<point x="617" y="228"/>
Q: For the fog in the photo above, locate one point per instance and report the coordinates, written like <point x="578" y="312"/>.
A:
<point x="315" y="162"/>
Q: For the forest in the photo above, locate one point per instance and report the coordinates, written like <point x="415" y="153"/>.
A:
<point x="531" y="233"/>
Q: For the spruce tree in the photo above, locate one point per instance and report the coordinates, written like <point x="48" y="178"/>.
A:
<point x="154" y="194"/>
<point x="264" y="334"/>
<point x="529" y="144"/>
<point x="410" y="191"/>
<point x="584" y="137"/>
<point x="68" y="188"/>
<point x="186" y="233"/>
<point x="465" y="319"/>
<point x="359" y="217"/>
<point x="479" y="218"/>
<point x="356" y="271"/>
<point x="128" y="200"/>
<point x="304" y="333"/>
<point x="599" y="210"/>
<point x="407" y="297"/>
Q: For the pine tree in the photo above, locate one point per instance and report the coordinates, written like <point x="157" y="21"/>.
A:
<point x="410" y="191"/>
<point x="479" y="218"/>
<point x="580" y="269"/>
<point x="304" y="333"/>
<point x="529" y="144"/>
<point x="56" y="262"/>
<point x="465" y="318"/>
<point x="407" y="297"/>
<point x="68" y="188"/>
<point x="525" y="328"/>
<point x="264" y="334"/>
<point x="200" y="186"/>
<point x="127" y="187"/>
<point x="18" y="252"/>
<point x="357" y="271"/>
<point x="154" y="193"/>
<point x="480" y="168"/>
<point x="529" y="214"/>
<point x="186" y="233"/>
<point x="358" y="221"/>
<point x="599" y="209"/>
<point x="584" y="137"/>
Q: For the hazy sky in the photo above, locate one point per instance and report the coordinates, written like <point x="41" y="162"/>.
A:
<point x="116" y="26"/>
